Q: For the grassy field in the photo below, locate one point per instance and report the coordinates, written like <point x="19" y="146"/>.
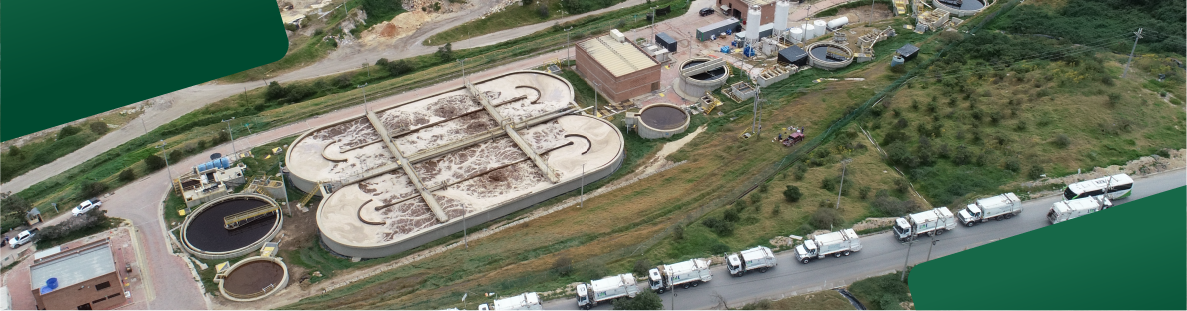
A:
<point x="15" y="161"/>
<point x="822" y="300"/>
<point x="883" y="292"/>
<point x="512" y="16"/>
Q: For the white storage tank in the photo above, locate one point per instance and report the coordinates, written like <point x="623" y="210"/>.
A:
<point x="617" y="35"/>
<point x="809" y="31"/>
<point x="796" y="34"/>
<point x="753" y="22"/>
<point x="781" y="9"/>
<point x="820" y="25"/>
<point x="837" y="23"/>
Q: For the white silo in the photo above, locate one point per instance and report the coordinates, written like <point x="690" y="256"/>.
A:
<point x="797" y="34"/>
<point x="753" y="21"/>
<point x="781" y="9"/>
<point x="820" y="25"/>
<point x="809" y="31"/>
<point x="837" y="23"/>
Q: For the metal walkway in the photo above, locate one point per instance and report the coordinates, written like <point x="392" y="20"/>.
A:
<point x="234" y="221"/>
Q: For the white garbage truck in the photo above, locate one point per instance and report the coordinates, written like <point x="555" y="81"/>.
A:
<point x="692" y="272"/>
<point x="759" y="258"/>
<point x="933" y="222"/>
<point x="525" y="301"/>
<point x="840" y="243"/>
<point x="1066" y="210"/>
<point x="1002" y="206"/>
<point x="590" y="294"/>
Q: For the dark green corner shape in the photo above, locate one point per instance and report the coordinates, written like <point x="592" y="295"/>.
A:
<point x="67" y="60"/>
<point x="1132" y="257"/>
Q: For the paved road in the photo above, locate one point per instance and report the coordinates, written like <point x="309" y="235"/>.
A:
<point x="882" y="253"/>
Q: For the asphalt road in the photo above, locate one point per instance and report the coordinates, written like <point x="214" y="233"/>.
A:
<point x="881" y="254"/>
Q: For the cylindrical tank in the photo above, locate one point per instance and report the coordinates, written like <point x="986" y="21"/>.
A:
<point x="797" y="34"/>
<point x="820" y="25"/>
<point x="781" y="9"/>
<point x="753" y="21"/>
<point x="837" y="23"/>
<point x="809" y="31"/>
<point x="896" y="60"/>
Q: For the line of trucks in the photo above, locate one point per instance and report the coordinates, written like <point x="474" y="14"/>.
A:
<point x="693" y="272"/>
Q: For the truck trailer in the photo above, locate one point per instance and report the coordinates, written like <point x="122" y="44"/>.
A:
<point x="1002" y="206"/>
<point x="933" y="222"/>
<point x="692" y="272"/>
<point x="840" y="243"/>
<point x="759" y="258"/>
<point x="525" y="301"/>
<point x="590" y="294"/>
<point x="1066" y="210"/>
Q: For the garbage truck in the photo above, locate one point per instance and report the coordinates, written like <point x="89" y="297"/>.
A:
<point x="840" y="243"/>
<point x="692" y="272"/>
<point x="1066" y="210"/>
<point x="759" y="258"/>
<point x="933" y="222"/>
<point x="525" y="301"/>
<point x="1002" y="206"/>
<point x="590" y="294"/>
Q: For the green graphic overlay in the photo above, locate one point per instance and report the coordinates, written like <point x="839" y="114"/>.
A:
<point x="1130" y="257"/>
<point x="67" y="60"/>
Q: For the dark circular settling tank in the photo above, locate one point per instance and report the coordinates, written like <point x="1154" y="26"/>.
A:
<point x="205" y="235"/>
<point x="664" y="117"/>
<point x="705" y="76"/>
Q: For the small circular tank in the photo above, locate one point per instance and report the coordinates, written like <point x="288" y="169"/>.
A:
<point x="204" y="233"/>
<point x="960" y="8"/>
<point x="829" y="55"/>
<point x="662" y="120"/>
<point x="253" y="279"/>
<point x="695" y="85"/>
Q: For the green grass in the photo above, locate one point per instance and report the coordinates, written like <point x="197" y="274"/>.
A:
<point x="316" y="258"/>
<point x="512" y="16"/>
<point x="881" y="292"/>
<point x="111" y="223"/>
<point x="42" y="152"/>
<point x="310" y="51"/>
<point x="857" y="4"/>
<point x="822" y="300"/>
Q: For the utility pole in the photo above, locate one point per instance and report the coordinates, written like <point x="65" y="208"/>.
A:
<point x="653" y="18"/>
<point x="236" y="150"/>
<point x="844" y="164"/>
<point x="870" y="19"/>
<point x="568" y="55"/>
<point x="933" y="244"/>
<point x="463" y="62"/>
<point x="596" y="99"/>
<point x="1137" y="35"/>
<point x="165" y="153"/>
<point x="582" y="204"/>
<point x="364" y="87"/>
<point x="909" y="244"/>
<point x="142" y="123"/>
<point x="756" y="123"/>
<point x="673" y="298"/>
<point x="283" y="185"/>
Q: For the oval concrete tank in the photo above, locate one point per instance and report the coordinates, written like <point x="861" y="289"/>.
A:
<point x="203" y="233"/>
<point x="253" y="279"/>
<point x="662" y="121"/>
<point x="829" y="55"/>
<point x="695" y="85"/>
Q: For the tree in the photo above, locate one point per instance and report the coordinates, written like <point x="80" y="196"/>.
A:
<point x="963" y="155"/>
<point x="792" y="194"/>
<point x="176" y="155"/>
<point x="825" y="218"/>
<point x="646" y="300"/>
<point x="395" y="68"/>
<point x="93" y="188"/>
<point x="127" y="175"/>
<point x="154" y="162"/>
<point x="275" y="91"/>
<point x="892" y="206"/>
<point x="543" y="11"/>
<point x="15" y="204"/>
<point x="68" y="131"/>
<point x="718" y="226"/>
<point x="678" y="232"/>
<point x="641" y="266"/>
<point x="563" y="266"/>
<point x="14" y="151"/>
<point x="445" y="52"/>
<point x="731" y="215"/>
<point x="1035" y="172"/>
<point x="98" y="127"/>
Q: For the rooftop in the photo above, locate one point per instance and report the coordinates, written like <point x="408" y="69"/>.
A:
<point x="74" y="266"/>
<point x="620" y="58"/>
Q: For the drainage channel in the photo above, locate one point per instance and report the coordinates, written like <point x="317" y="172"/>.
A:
<point x="856" y="304"/>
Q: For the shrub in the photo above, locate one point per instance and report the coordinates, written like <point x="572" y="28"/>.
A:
<point x="1021" y="126"/>
<point x="1013" y="165"/>
<point x="678" y="232"/>
<point x="718" y="226"/>
<point x="93" y="188"/>
<point x="762" y="189"/>
<point x="1062" y="141"/>
<point x="85" y="221"/>
<point x="731" y="215"/>
<point x="176" y="155"/>
<point x="719" y="248"/>
<point x="892" y="206"/>
<point x="563" y="266"/>
<point x="68" y="131"/>
<point x="963" y="155"/>
<point x="864" y="192"/>
<point x="641" y="266"/>
<point x="1114" y="99"/>
<point x="902" y="185"/>
<point x="1035" y="172"/>
<point x="792" y="194"/>
<point x="15" y="204"/>
<point x="98" y="127"/>
<point x="825" y="218"/>
<point x="881" y="292"/>
<point x="829" y="183"/>
<point x="543" y="11"/>
<point x="445" y="52"/>
<point x="800" y="170"/>
<point x="127" y="175"/>
<point x="154" y="162"/>
<point x="646" y="300"/>
<point x="275" y="92"/>
<point x="396" y="68"/>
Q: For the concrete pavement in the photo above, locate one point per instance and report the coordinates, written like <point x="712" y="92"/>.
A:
<point x="881" y="254"/>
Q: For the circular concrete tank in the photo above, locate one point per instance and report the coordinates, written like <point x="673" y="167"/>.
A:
<point x="253" y="279"/>
<point x="966" y="7"/>
<point x="696" y="85"/>
<point x="662" y="121"/>
<point x="819" y="56"/>
<point x="203" y="233"/>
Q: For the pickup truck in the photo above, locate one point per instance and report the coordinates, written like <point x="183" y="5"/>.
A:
<point x="22" y="238"/>
<point x="86" y="206"/>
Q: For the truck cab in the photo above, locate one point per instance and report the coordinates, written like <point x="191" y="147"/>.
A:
<point x="805" y="252"/>
<point x="583" y="300"/>
<point x="969" y="215"/>
<point x="902" y="229"/>
<point x="655" y="280"/>
<point x="22" y="238"/>
<point x="734" y="264"/>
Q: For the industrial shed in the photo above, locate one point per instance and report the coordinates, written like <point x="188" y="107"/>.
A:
<point x="794" y="55"/>
<point x="908" y="52"/>
<point x="666" y="41"/>
<point x="616" y="67"/>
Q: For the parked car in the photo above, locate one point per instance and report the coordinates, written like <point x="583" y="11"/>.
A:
<point x="86" y="206"/>
<point x="706" y="12"/>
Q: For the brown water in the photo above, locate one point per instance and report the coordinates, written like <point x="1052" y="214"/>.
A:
<point x="253" y="277"/>
<point x="663" y="117"/>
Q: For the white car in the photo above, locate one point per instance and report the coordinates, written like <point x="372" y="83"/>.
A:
<point x="86" y="206"/>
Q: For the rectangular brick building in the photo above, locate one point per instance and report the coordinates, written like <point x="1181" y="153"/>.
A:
<point x="618" y="70"/>
<point x="87" y="279"/>
<point x="737" y="9"/>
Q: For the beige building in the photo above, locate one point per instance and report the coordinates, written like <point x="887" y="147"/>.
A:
<point x="86" y="277"/>
<point x="616" y="67"/>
